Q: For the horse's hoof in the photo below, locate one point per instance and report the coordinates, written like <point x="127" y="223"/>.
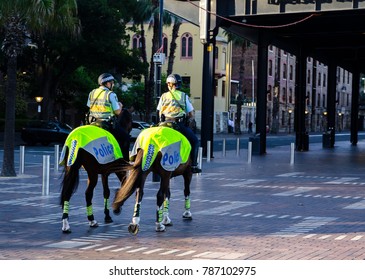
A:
<point x="65" y="226"/>
<point x="187" y="215"/>
<point x="93" y="224"/>
<point x="117" y="211"/>
<point x="133" y="228"/>
<point x="166" y="221"/>
<point x="108" y="220"/>
<point x="160" y="227"/>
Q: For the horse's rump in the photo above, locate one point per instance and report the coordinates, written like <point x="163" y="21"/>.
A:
<point x="98" y="142"/>
<point x="173" y="146"/>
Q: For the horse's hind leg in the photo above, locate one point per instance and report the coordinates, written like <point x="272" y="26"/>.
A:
<point x="92" y="181"/>
<point x="166" y="221"/>
<point x="106" y="193"/>
<point x="187" y="180"/>
<point x="133" y="227"/>
<point x="162" y="193"/>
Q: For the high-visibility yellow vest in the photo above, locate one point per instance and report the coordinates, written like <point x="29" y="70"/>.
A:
<point x="100" y="105"/>
<point x="173" y="104"/>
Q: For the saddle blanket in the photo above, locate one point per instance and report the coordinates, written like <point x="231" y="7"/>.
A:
<point x="94" y="140"/>
<point x="173" y="145"/>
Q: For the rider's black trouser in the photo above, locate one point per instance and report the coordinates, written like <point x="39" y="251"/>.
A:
<point x="194" y="141"/>
<point x="123" y="139"/>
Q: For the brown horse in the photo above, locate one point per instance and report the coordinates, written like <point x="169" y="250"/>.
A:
<point x="165" y="152"/>
<point x="100" y="154"/>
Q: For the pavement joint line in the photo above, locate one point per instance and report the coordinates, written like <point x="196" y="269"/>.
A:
<point x="121" y="249"/>
<point x="153" y="251"/>
<point x="105" y="248"/>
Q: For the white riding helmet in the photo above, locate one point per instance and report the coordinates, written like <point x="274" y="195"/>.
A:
<point x="171" y="79"/>
<point x="104" y="78"/>
<point x="174" y="79"/>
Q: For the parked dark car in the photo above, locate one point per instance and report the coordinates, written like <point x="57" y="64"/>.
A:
<point x="45" y="132"/>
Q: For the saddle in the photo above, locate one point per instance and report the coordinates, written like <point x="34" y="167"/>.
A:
<point x="108" y="125"/>
<point x="170" y="124"/>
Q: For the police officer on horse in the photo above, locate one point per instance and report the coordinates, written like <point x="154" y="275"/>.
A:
<point x="174" y="106"/>
<point x="105" y="109"/>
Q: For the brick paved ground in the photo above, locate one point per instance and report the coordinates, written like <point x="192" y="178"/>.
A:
<point x="264" y="210"/>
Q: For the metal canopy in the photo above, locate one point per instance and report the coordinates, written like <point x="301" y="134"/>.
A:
<point x="327" y="36"/>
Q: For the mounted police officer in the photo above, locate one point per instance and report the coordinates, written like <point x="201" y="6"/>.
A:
<point x="104" y="110"/>
<point x="174" y="106"/>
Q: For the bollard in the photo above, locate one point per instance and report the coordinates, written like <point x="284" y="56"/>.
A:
<point x="238" y="146"/>
<point x="45" y="181"/>
<point x="249" y="152"/>
<point x="292" y="153"/>
<point x="21" y="159"/>
<point x="224" y="147"/>
<point x="200" y="157"/>
<point x="208" y="151"/>
<point x="56" y="157"/>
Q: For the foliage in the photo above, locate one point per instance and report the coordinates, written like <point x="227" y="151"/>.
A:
<point x="20" y="98"/>
<point x="133" y="97"/>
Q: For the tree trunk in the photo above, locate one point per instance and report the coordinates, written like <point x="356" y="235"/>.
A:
<point x="9" y="132"/>
<point x="175" y="35"/>
<point x="155" y="46"/>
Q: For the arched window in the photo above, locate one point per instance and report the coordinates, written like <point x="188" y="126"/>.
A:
<point x="136" y="41"/>
<point x="186" y="46"/>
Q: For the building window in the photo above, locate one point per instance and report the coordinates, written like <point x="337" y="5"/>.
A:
<point x="319" y="78"/>
<point x="319" y="100"/>
<point x="223" y="88"/>
<point x="324" y="80"/>
<point x="186" y="45"/>
<point x="284" y="71"/>
<point x="186" y="82"/>
<point x="270" y="67"/>
<point x="136" y="41"/>
<point x="308" y="76"/>
<point x="291" y="95"/>
<point x="216" y="54"/>
<point x="269" y="93"/>
<point x="291" y="72"/>
<point x="284" y="94"/>
<point x="323" y="101"/>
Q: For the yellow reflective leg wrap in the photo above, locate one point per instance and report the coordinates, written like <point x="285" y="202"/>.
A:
<point x="66" y="207"/>
<point x="106" y="203"/>
<point x="166" y="205"/>
<point x="89" y="210"/>
<point x="187" y="203"/>
<point x="137" y="209"/>
<point x="159" y="214"/>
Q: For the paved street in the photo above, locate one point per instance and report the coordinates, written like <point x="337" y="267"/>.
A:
<point x="268" y="209"/>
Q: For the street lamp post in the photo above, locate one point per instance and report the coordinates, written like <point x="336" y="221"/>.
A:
<point x="289" y="120"/>
<point x="39" y="100"/>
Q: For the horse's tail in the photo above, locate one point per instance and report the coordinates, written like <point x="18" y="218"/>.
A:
<point x="132" y="182"/>
<point x="70" y="181"/>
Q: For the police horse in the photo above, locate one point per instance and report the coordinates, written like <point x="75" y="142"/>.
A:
<point x="98" y="152"/>
<point x="165" y="152"/>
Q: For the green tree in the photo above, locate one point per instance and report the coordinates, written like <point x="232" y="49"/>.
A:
<point x="19" y="21"/>
<point x="103" y="46"/>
